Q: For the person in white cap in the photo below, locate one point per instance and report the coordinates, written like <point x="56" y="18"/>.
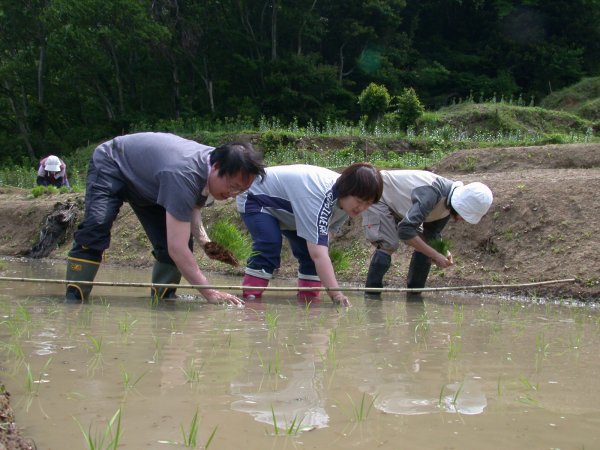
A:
<point x="414" y="208"/>
<point x="52" y="171"/>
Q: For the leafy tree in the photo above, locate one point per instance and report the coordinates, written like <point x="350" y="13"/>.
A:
<point x="408" y="109"/>
<point x="374" y="101"/>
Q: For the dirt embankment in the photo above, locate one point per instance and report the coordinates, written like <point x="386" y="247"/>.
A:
<point x="542" y="225"/>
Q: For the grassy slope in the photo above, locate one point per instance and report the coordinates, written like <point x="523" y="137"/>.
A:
<point x="582" y="99"/>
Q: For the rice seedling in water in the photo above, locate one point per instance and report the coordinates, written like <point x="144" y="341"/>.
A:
<point x="457" y="393"/>
<point x="422" y="327"/>
<point x="103" y="440"/>
<point x="329" y="358"/>
<point x="541" y="346"/>
<point x="158" y="346"/>
<point x="441" y="397"/>
<point x="290" y="429"/>
<point x="271" y="318"/>
<point x="459" y="314"/>
<point x="192" y="372"/>
<point x="15" y="350"/>
<point x="32" y="384"/>
<point x="128" y="382"/>
<point x="190" y="439"/>
<point x="97" y="360"/>
<point x="126" y="327"/>
<point x="275" y="427"/>
<point x="527" y="383"/>
<point x="361" y="411"/>
<point x="454" y="346"/>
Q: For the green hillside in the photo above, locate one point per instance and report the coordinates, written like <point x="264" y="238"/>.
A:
<point x="582" y="98"/>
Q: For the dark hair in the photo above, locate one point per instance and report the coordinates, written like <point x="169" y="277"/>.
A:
<point x="362" y="180"/>
<point x="237" y="157"/>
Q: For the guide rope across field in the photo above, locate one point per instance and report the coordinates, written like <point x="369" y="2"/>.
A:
<point x="294" y="288"/>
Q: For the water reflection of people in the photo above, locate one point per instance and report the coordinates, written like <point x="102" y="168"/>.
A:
<point x="299" y="401"/>
<point x="408" y="388"/>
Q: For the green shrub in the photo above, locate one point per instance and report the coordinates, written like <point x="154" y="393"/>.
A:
<point x="408" y="109"/>
<point x="374" y="101"/>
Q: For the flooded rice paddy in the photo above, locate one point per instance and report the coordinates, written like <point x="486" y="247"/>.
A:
<point x="449" y="372"/>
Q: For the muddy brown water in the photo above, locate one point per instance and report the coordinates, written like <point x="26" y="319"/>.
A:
<point x="450" y="372"/>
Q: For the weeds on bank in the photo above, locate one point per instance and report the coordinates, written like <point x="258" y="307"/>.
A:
<point x="107" y="439"/>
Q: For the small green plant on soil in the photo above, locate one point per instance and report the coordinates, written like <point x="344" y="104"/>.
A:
<point x="38" y="191"/>
<point x="103" y="440"/>
<point x="229" y="236"/>
<point x="441" y="245"/>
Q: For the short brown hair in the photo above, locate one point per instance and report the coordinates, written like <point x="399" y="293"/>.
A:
<point x="361" y="180"/>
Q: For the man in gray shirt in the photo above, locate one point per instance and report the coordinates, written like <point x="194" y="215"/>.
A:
<point x="166" y="179"/>
<point x="414" y="208"/>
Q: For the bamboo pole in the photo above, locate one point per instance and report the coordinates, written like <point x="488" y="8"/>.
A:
<point x="289" y="288"/>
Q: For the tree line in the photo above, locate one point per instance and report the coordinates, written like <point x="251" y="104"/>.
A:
<point x="78" y="71"/>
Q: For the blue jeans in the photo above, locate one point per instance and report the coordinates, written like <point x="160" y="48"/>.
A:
<point x="267" y="239"/>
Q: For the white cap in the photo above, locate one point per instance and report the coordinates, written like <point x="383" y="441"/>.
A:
<point x="472" y="201"/>
<point x="52" y="164"/>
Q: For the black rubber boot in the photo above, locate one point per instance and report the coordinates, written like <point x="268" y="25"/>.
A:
<point x="418" y="271"/>
<point x="380" y="264"/>
<point x="163" y="273"/>
<point x="80" y="270"/>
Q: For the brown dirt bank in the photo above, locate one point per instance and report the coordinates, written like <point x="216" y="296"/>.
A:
<point x="542" y="225"/>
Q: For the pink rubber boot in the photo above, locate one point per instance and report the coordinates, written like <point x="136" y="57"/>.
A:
<point x="308" y="296"/>
<point x="251" y="285"/>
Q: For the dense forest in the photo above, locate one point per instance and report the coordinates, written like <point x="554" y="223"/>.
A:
<point x="72" y="72"/>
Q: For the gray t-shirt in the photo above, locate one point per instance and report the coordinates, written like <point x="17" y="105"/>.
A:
<point x="159" y="168"/>
<point x="301" y="197"/>
<point x="416" y="196"/>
